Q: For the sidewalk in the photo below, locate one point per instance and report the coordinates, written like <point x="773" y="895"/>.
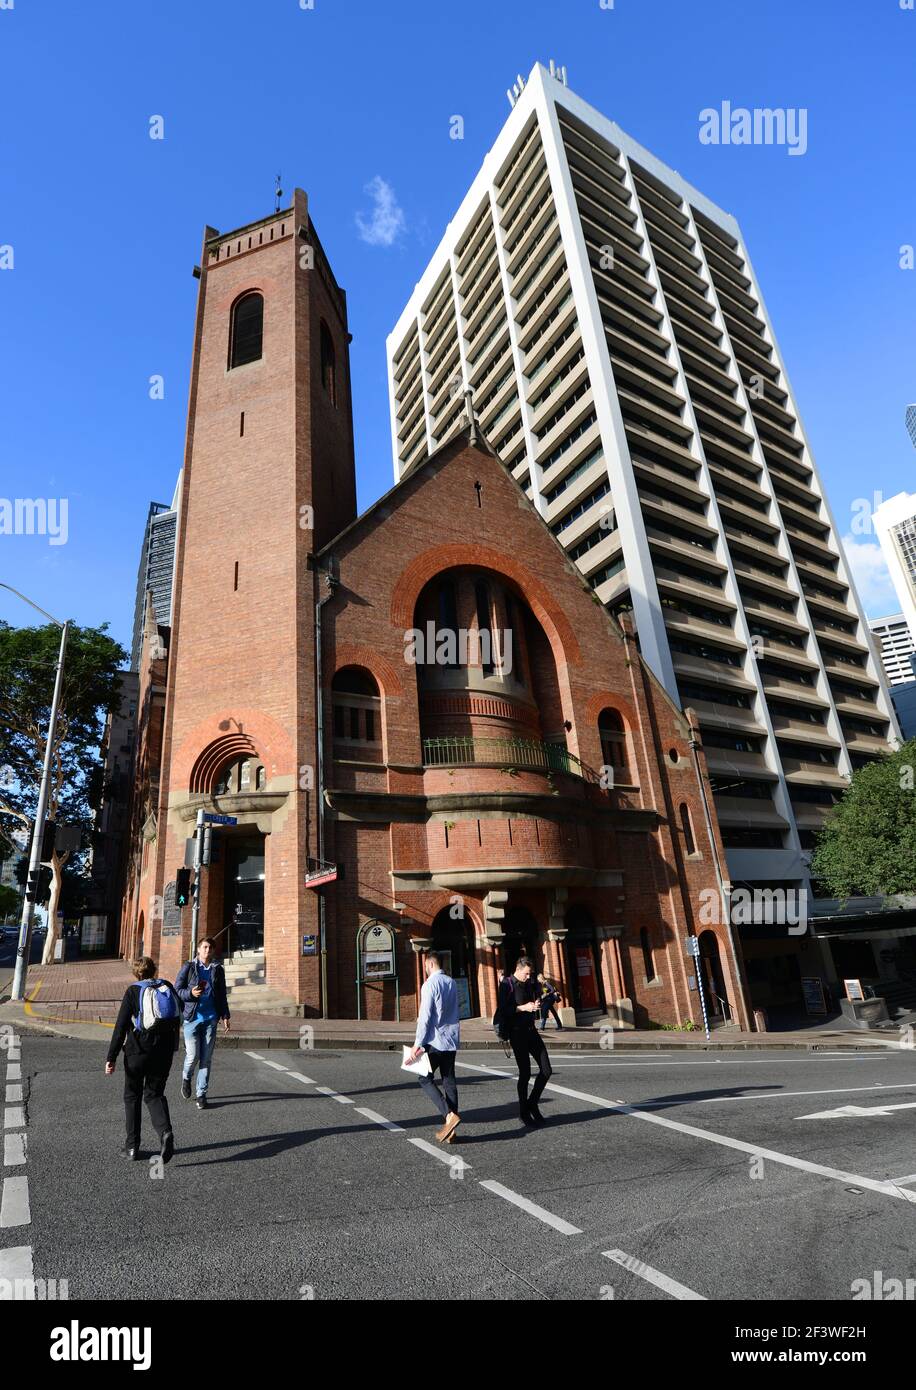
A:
<point x="81" y="999"/>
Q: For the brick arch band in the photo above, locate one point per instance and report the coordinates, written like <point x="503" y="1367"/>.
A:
<point x="425" y="567"/>
<point x="215" y="757"/>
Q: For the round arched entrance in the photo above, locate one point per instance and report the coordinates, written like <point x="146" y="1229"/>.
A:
<point x="583" y="960"/>
<point x="717" y="1005"/>
<point x="520" y="938"/>
<point x="453" y="942"/>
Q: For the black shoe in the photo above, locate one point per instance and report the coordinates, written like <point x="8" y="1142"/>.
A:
<point x="526" y="1117"/>
<point x="168" y="1146"/>
<point x="185" y="1088"/>
<point x="536" y="1115"/>
<point x="203" y="1103"/>
<point x="131" y="1150"/>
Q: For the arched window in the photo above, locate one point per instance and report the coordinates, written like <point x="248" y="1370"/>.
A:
<point x="328" y="364"/>
<point x="647" y="959"/>
<point x="357" y="714"/>
<point x="687" y="828"/>
<point x="614" y="744"/>
<point x="240" y="775"/>
<point x="246" y="329"/>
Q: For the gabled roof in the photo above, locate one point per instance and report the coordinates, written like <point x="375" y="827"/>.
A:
<point x="455" y="444"/>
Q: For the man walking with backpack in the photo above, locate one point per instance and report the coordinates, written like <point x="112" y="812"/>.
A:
<point x="550" y="998"/>
<point x="518" y="1003"/>
<point x="147" y="1029"/>
<point x="438" y="1035"/>
<point x="201" y="986"/>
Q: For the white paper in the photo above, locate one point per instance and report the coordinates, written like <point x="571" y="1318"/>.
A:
<point x="420" y="1067"/>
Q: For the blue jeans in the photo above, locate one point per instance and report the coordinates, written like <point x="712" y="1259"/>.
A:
<point x="199" y="1041"/>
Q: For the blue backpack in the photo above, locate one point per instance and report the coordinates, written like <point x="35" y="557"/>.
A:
<point x="158" y="1005"/>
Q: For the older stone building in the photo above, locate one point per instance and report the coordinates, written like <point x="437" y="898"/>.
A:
<point x="428" y="730"/>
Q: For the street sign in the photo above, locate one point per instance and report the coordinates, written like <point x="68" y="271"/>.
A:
<point x="310" y="945"/>
<point x="220" y="820"/>
<point x="328" y="875"/>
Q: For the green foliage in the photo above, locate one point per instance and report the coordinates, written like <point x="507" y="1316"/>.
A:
<point x="91" y="687"/>
<point x="10" y="902"/>
<point x="868" y="843"/>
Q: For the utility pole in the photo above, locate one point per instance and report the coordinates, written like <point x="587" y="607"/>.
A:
<point x="195" y="891"/>
<point x="44" y="791"/>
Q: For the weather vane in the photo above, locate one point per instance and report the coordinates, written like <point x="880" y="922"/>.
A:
<point x="278" y="191"/>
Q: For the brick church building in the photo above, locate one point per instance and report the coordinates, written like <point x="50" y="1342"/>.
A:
<point x="428" y="731"/>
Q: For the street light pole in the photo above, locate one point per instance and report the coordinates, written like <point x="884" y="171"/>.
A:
<point x="44" y="793"/>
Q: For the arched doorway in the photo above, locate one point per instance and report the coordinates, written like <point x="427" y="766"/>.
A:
<point x="583" y="961"/>
<point x="520" y="938"/>
<point x="453" y="941"/>
<point x="717" y="1005"/>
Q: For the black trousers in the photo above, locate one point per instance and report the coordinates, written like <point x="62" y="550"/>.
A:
<point x="145" y="1075"/>
<point x="444" y="1062"/>
<point x="549" y="1009"/>
<point x="527" y="1043"/>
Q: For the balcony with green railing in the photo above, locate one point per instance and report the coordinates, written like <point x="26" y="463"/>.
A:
<point x="510" y="754"/>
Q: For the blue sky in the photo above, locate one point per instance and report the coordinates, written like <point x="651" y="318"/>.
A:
<point x="105" y="223"/>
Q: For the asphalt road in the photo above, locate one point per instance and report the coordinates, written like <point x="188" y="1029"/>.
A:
<point x="701" y="1174"/>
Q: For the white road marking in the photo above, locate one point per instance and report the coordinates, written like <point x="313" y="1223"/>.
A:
<point x="903" y="1182"/>
<point x="13" y="1149"/>
<point x="866" y="1111"/>
<point x="443" y="1155"/>
<point x="13" y="1054"/>
<point x="652" y="1276"/>
<point x="531" y="1208"/>
<point x="638" y="1112"/>
<point x="16" y="1263"/>
<point x="300" y="1076"/>
<point x="726" y="1141"/>
<point x="14" y="1204"/>
<point x="13" y="1093"/>
<point x="13" y="1117"/>
<point x="256" y="1055"/>
<point x="716" y="1062"/>
<point x="378" y="1119"/>
<point x="14" y="1072"/>
<point x="277" y="1066"/>
<point x="491" y="1071"/>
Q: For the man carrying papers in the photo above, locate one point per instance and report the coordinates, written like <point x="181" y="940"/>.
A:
<point x="438" y="1036"/>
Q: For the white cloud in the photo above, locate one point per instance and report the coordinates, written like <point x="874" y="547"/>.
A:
<point x="871" y="576"/>
<point x="386" y="221"/>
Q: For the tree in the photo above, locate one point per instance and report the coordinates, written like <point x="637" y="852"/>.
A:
<point x="91" y="688"/>
<point x="868" y="843"/>
<point x="9" y="902"/>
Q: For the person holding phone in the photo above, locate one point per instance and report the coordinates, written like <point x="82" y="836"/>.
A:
<point x="519" y="1006"/>
<point x="201" y="986"/>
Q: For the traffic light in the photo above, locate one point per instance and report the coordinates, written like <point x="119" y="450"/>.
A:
<point x="182" y="887"/>
<point x="31" y="886"/>
<point x="48" y="834"/>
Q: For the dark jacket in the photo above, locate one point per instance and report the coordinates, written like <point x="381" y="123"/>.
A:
<point x="513" y="992"/>
<point x="163" y="1041"/>
<point x="188" y="980"/>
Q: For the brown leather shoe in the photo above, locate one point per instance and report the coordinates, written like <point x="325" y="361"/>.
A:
<point x="452" y="1121"/>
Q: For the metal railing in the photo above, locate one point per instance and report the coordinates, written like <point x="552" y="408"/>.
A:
<point x="504" y="753"/>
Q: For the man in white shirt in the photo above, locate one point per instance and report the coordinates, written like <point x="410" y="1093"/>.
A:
<point x="438" y="1035"/>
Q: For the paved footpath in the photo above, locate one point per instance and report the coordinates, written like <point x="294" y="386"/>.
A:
<point x="80" y="999"/>
<point x="315" y="1173"/>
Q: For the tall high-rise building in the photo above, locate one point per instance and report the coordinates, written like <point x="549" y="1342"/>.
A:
<point x="911" y="423"/>
<point x="897" y="648"/>
<point x="607" y="319"/>
<point x="895" y="526"/>
<point x="156" y="570"/>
